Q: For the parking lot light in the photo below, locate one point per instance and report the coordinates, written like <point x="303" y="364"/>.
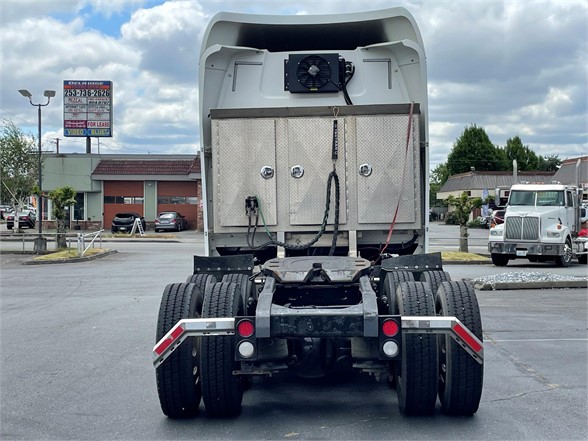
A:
<point x="40" y="242"/>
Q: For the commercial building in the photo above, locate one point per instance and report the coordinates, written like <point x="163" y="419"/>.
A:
<point x="108" y="184"/>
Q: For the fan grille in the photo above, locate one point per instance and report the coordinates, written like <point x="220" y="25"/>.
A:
<point x="313" y="72"/>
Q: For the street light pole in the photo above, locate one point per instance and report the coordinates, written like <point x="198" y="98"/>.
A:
<point x="40" y="242"/>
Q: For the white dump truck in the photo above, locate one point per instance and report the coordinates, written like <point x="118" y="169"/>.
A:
<point x="542" y="222"/>
<point x="314" y="152"/>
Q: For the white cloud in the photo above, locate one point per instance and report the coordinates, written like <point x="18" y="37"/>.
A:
<point x="109" y="7"/>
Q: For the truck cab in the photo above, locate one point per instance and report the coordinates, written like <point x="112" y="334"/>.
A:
<point x="541" y="223"/>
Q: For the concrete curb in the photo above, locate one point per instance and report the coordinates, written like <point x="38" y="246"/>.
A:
<point x="110" y="239"/>
<point x="466" y="262"/>
<point x="71" y="259"/>
<point x="559" y="284"/>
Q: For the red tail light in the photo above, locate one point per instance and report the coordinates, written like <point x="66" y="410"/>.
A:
<point x="245" y="328"/>
<point x="390" y="328"/>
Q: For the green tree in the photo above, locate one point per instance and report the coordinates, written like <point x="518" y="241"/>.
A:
<point x="474" y="149"/>
<point x="437" y="178"/>
<point x="463" y="208"/>
<point x="526" y="158"/>
<point x="548" y="163"/>
<point x="61" y="198"/>
<point x="18" y="164"/>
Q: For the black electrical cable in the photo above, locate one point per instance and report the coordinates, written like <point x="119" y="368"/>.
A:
<point x="336" y="225"/>
<point x="251" y="240"/>
<point x="346" y="81"/>
<point x="332" y="176"/>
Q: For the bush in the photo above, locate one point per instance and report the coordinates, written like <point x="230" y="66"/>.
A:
<point x="476" y="223"/>
<point x="451" y="218"/>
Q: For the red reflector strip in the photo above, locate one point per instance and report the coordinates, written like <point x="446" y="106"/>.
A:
<point x="175" y="334"/>
<point x="467" y="338"/>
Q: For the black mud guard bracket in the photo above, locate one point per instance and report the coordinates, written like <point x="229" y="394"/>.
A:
<point x="221" y="265"/>
<point x="415" y="263"/>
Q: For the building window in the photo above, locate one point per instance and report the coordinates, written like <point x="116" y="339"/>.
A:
<point x="124" y="200"/>
<point x="177" y="200"/>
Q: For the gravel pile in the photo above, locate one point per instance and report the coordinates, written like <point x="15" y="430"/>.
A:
<point x="524" y="277"/>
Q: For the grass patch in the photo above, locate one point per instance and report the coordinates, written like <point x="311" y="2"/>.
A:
<point x="448" y="256"/>
<point x="69" y="253"/>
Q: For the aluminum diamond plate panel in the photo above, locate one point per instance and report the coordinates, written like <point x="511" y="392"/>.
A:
<point x="310" y="143"/>
<point x="241" y="148"/>
<point x="381" y="144"/>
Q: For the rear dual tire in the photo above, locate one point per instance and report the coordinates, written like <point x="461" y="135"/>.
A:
<point x="434" y="278"/>
<point x="436" y="365"/>
<point x="416" y="373"/>
<point x="460" y="375"/>
<point x="201" y="281"/>
<point x="178" y="377"/>
<point x="222" y="392"/>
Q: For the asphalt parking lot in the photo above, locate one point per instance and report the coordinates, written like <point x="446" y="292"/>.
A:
<point x="76" y="343"/>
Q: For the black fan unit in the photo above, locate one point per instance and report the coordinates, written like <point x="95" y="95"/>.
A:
<point x="312" y="73"/>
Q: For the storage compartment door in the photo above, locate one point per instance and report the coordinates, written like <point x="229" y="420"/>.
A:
<point x="310" y="142"/>
<point x="381" y="148"/>
<point x="241" y="149"/>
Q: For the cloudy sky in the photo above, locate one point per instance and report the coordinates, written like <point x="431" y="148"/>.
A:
<point x="511" y="67"/>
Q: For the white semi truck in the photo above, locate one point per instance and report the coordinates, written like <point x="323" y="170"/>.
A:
<point x="314" y="151"/>
<point x="542" y="222"/>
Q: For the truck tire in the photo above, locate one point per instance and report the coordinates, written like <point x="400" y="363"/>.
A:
<point x="434" y="278"/>
<point x="460" y="376"/>
<point x="246" y="289"/>
<point x="200" y="280"/>
<point x="500" y="259"/>
<point x="222" y="392"/>
<point x="416" y="373"/>
<point x="565" y="259"/>
<point x="393" y="278"/>
<point x="178" y="377"/>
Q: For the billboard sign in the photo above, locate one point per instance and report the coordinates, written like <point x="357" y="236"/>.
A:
<point x="87" y="108"/>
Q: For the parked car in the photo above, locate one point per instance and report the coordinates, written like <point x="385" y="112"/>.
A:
<point x="5" y="210"/>
<point x="123" y="222"/>
<point x="497" y="217"/>
<point x="25" y="219"/>
<point x="170" y="220"/>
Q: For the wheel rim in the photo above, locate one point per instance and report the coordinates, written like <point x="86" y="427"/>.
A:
<point x="442" y="351"/>
<point x="567" y="252"/>
<point x="196" y="371"/>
